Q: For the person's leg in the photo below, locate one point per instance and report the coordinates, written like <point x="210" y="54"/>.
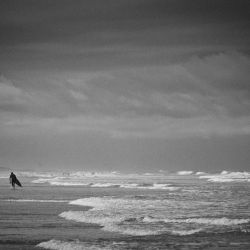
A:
<point x="13" y="184"/>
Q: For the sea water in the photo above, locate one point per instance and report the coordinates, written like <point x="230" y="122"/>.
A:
<point x="112" y="211"/>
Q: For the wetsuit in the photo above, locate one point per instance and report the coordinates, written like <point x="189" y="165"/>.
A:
<point x="12" y="179"/>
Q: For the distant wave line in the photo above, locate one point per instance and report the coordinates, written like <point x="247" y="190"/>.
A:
<point x="31" y="200"/>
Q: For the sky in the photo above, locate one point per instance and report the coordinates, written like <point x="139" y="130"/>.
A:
<point x="125" y="85"/>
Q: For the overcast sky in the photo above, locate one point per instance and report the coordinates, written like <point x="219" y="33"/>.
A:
<point x="126" y="85"/>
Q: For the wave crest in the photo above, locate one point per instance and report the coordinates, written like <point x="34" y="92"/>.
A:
<point x="185" y="172"/>
<point x="66" y="181"/>
<point x="226" y="176"/>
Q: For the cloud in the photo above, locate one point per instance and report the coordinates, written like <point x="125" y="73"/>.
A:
<point x="213" y="85"/>
<point x="125" y="127"/>
<point x="12" y="98"/>
<point x="203" y="96"/>
<point x="224" y="71"/>
<point x="40" y="97"/>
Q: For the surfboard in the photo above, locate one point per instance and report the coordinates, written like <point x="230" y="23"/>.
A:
<point x="18" y="183"/>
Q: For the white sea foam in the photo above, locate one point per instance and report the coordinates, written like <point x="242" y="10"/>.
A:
<point x="109" y="221"/>
<point x="129" y="185"/>
<point x="100" y="183"/>
<point x="114" y="215"/>
<point x="185" y="172"/>
<point x="83" y="216"/>
<point x="154" y="174"/>
<point x="113" y="223"/>
<point x="43" y="180"/>
<point x="226" y="176"/>
<point x="217" y="221"/>
<point x="150" y="186"/>
<point x="25" y="200"/>
<point x="135" y="231"/>
<point x="72" y="245"/>
<point x="186" y="232"/>
<point x="134" y="216"/>
<point x="123" y="216"/>
<point x="93" y="174"/>
<point x="61" y="181"/>
<point x="161" y="186"/>
<point x="104" y="185"/>
<point x="164" y="186"/>
<point x="200" y="173"/>
<point x="73" y="181"/>
<point x="38" y="174"/>
<point x="207" y="221"/>
<point x="65" y="183"/>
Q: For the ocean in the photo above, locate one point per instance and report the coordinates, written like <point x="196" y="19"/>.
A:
<point x="81" y="210"/>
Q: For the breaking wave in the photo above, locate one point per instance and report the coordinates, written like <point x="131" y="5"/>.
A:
<point x="133" y="216"/>
<point x="144" y="181"/>
<point x="150" y="186"/>
<point x="62" y="181"/>
<point x="207" y="221"/>
<point x="112" y="223"/>
<point x="101" y="185"/>
<point x="114" y="215"/>
<point x="226" y="176"/>
<point x="185" y="172"/>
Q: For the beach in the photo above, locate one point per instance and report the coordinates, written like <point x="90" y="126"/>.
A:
<point x="124" y="212"/>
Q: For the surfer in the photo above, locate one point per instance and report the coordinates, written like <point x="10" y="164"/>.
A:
<point x="14" y="180"/>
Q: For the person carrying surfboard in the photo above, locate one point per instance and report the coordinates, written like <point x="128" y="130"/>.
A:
<point x="14" y="180"/>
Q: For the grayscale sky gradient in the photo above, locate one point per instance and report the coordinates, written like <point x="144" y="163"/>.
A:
<point x="126" y="85"/>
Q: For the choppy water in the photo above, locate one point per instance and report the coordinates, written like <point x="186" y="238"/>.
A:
<point x="194" y="211"/>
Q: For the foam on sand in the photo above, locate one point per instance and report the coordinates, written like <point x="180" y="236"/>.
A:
<point x="226" y="176"/>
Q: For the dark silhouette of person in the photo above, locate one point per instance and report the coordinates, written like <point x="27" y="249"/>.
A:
<point x="13" y="179"/>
